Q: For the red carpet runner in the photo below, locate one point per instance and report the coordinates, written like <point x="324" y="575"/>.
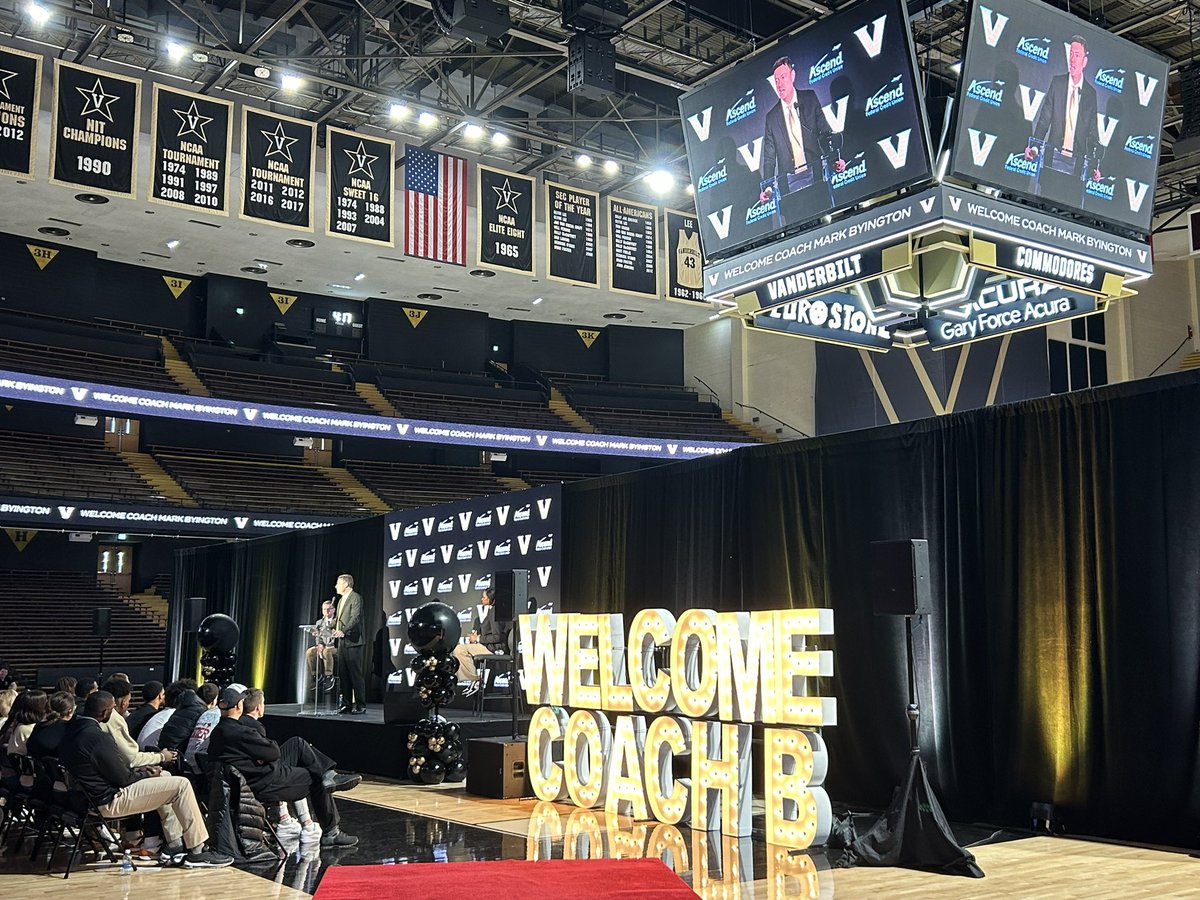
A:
<point x="506" y="879"/>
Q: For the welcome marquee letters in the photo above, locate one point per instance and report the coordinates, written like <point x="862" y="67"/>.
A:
<point x="727" y="671"/>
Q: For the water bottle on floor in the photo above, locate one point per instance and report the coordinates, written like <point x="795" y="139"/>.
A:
<point x="127" y="863"/>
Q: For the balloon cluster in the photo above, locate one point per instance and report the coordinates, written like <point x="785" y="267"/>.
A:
<point x="218" y="634"/>
<point x="435" y="750"/>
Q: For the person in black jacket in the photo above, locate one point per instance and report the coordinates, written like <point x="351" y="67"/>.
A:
<point x="47" y="735"/>
<point x="90" y="755"/>
<point x="153" y="697"/>
<point x="191" y="706"/>
<point x="487" y="635"/>
<point x="280" y="774"/>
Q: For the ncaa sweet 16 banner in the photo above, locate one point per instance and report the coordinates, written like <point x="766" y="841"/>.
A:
<point x="95" y="132"/>
<point x="1053" y="107"/>
<point x="820" y="121"/>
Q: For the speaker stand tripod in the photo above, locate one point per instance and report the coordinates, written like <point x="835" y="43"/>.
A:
<point x="100" y="673"/>
<point x="912" y="832"/>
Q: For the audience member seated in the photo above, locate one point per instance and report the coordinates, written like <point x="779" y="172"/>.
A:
<point x="153" y="697"/>
<point x="84" y="687"/>
<point x="115" y="725"/>
<point x="192" y="704"/>
<point x="151" y="733"/>
<point x="7" y="696"/>
<point x="90" y="755"/>
<point x="198" y="741"/>
<point x="27" y="710"/>
<point x="47" y="735"/>
<point x="66" y="683"/>
<point x="6" y="676"/>
<point x="295" y="771"/>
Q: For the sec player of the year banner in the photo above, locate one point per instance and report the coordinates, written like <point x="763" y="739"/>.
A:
<point x="358" y="179"/>
<point x="571" y="217"/>
<point x="191" y="142"/>
<point x="95" y="130"/>
<point x="685" y="261"/>
<point x="505" y="208"/>
<point x="278" y="169"/>
<point x="20" y="100"/>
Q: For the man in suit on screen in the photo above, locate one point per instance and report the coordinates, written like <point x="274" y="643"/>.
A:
<point x="795" y="135"/>
<point x="1066" y="126"/>
<point x="348" y="629"/>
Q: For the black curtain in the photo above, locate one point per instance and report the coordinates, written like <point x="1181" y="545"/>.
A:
<point x="271" y="586"/>
<point x="1063" y="661"/>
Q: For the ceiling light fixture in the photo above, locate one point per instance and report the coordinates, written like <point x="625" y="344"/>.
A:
<point x="38" y="13"/>
<point x="290" y="82"/>
<point x="611" y="167"/>
<point x="360" y="276"/>
<point x="199" y="57"/>
<point x="427" y="120"/>
<point x="172" y="243"/>
<point x="537" y="301"/>
<point x="499" y="139"/>
<point x="303" y="243"/>
<point x="691" y="191"/>
<point x="397" y="111"/>
<point x="472" y="131"/>
<point x="93" y="199"/>
<point x="660" y="180"/>
<point x="175" y="51"/>
<point x="262" y="72"/>
<point x="583" y="160"/>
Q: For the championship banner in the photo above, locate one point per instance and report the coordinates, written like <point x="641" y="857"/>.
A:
<point x="278" y="169"/>
<point x="359" y="201"/>
<point x="20" y="100"/>
<point x="505" y="214"/>
<point x="632" y="248"/>
<point x="95" y="130"/>
<point x="685" y="261"/>
<point x="571" y="234"/>
<point x="191" y="139"/>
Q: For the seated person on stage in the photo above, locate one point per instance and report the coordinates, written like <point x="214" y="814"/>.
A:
<point x="153" y="698"/>
<point x="47" y="735"/>
<point x="192" y="704"/>
<point x="322" y="632"/>
<point x="487" y="636"/>
<point x="91" y="756"/>
<point x="293" y="772"/>
<point x="115" y="725"/>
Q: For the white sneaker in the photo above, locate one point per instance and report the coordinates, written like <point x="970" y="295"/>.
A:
<point x="310" y="833"/>
<point x="289" y="827"/>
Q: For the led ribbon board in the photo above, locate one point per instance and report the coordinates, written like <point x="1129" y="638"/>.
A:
<point x="727" y="671"/>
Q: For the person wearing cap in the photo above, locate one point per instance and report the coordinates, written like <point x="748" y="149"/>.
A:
<point x="293" y="771"/>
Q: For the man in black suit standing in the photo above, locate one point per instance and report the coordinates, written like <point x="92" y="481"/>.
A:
<point x="348" y="629"/>
<point x="1067" y="120"/>
<point x="795" y="135"/>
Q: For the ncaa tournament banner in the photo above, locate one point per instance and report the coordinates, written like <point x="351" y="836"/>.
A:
<point x="685" y="261"/>
<point x="821" y="121"/>
<point x="191" y="143"/>
<point x="504" y="211"/>
<point x="360" y="203"/>
<point x="450" y="553"/>
<point x="20" y="101"/>
<point x="278" y="169"/>
<point x="632" y="248"/>
<point x="571" y="220"/>
<point x="95" y="131"/>
<point x="1056" y="108"/>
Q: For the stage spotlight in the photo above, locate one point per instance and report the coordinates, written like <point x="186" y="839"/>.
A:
<point x="38" y="13"/>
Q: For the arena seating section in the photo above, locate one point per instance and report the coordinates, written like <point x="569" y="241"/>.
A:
<point x="48" y="621"/>
<point x="47" y="465"/>
<point x="405" y="485"/>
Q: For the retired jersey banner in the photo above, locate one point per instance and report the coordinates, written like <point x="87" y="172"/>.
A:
<point x="685" y="262"/>
<point x="505" y="216"/>
<point x="278" y="169"/>
<point x="20" y="100"/>
<point x="571" y="216"/>
<point x="632" y="248"/>
<point x="95" y="132"/>
<point x="191" y="143"/>
<point x="358" y="178"/>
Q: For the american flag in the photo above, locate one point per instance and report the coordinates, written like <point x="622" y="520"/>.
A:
<point x="435" y="206"/>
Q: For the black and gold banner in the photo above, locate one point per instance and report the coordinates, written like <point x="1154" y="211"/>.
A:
<point x="632" y="248"/>
<point x="685" y="262"/>
<point x="191" y="143"/>
<point x="505" y="215"/>
<point x="571" y="216"/>
<point x="278" y="169"/>
<point x="95" y="133"/>
<point x="358" y="178"/>
<point x="20" y="100"/>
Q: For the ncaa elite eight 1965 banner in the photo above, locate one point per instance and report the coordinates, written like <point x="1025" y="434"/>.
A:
<point x="505" y="216"/>
<point x="95" y="129"/>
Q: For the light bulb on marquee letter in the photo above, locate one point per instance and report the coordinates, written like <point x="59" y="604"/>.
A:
<point x="545" y="827"/>
<point x="666" y="843"/>
<point x="694" y="663"/>
<point x="799" y="814"/>
<point x="796" y="666"/>
<point x="543" y="753"/>
<point x="721" y="765"/>
<point x="584" y="838"/>
<point x="651" y="687"/>
<point x="544" y="657"/>
<point x="670" y="800"/>
<point x="583" y="662"/>
<point x="589" y="738"/>
<point x="626" y="787"/>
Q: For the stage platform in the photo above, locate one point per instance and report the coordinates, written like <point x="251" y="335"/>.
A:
<point x="368" y="745"/>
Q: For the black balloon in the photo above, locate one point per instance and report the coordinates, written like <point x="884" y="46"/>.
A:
<point x="220" y="633"/>
<point x="456" y="771"/>
<point x="433" y="772"/>
<point x="433" y="627"/>
<point x="449" y="665"/>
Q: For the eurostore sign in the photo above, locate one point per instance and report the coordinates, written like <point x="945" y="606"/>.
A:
<point x="140" y="403"/>
<point x="628" y="724"/>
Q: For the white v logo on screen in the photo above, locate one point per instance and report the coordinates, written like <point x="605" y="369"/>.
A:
<point x="993" y="25"/>
<point x="872" y="41"/>
<point x="541" y="439"/>
<point x="927" y="204"/>
<point x="483" y="546"/>
<point x="1146" y="86"/>
<point x="447" y="552"/>
<point x="396" y="528"/>
<point x="427" y="584"/>
<point x="410" y="555"/>
<point x="895" y="148"/>
<point x="671" y="448"/>
<point x="241" y="521"/>
<point x="835" y="114"/>
<point x="464" y="582"/>
<point x="700" y="122"/>
<point x="1137" y="193"/>
<point x="720" y="222"/>
<point x="1105" y="126"/>
<point x="543" y="506"/>
<point x="396" y="645"/>
<point x="427" y="524"/>
<point x="955" y="203"/>
<point x="394" y="587"/>
<point x="1031" y="102"/>
<point x="464" y="519"/>
<point x="66" y="511"/>
<point x="403" y="429"/>
<point x="250" y="412"/>
<point x="543" y="573"/>
<point x="981" y="146"/>
<point x="1141" y="255"/>
<point x="523" y="542"/>
<point x="502" y="514"/>
<point x="752" y="154"/>
<point x="79" y="393"/>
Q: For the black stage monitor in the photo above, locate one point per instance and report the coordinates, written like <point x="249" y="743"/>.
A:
<point x="856" y="129"/>
<point x="1054" y="108"/>
<point x="900" y="578"/>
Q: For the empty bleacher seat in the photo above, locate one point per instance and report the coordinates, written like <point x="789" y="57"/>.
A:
<point x="66" y="350"/>
<point x="49" y="465"/>
<point x="407" y="484"/>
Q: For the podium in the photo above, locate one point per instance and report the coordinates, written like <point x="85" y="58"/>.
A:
<point x="321" y="698"/>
